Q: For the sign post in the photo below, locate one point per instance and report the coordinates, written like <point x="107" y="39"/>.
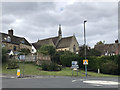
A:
<point x="85" y="62"/>
<point x="22" y="57"/>
<point x="75" y="67"/>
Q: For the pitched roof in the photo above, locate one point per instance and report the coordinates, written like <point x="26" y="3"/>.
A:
<point x="36" y="45"/>
<point x="14" y="39"/>
<point x="64" y="42"/>
<point x="103" y="48"/>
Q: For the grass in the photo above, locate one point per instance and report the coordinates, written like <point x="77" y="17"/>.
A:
<point x="31" y="69"/>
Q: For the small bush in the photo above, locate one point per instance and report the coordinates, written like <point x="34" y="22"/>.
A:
<point x="12" y="65"/>
<point x="45" y="66"/>
<point x="51" y="67"/>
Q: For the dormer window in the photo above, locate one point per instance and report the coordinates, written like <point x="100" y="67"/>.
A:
<point x="22" y="41"/>
<point x="9" y="39"/>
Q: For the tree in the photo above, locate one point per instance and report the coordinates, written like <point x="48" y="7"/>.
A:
<point x="100" y="42"/>
<point x="89" y="51"/>
<point x="24" y="51"/>
<point x="47" y="50"/>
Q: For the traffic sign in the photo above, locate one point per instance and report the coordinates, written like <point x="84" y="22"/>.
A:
<point x="85" y="62"/>
<point x="22" y="57"/>
<point x="75" y="64"/>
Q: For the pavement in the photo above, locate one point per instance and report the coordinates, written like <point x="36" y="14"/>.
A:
<point x="10" y="81"/>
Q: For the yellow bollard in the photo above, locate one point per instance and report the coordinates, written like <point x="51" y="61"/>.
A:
<point x="18" y="73"/>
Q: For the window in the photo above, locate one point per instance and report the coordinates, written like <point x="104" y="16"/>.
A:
<point x="3" y="45"/>
<point x="14" y="48"/>
<point x="74" y="48"/>
<point x="9" y="39"/>
<point x="22" y="41"/>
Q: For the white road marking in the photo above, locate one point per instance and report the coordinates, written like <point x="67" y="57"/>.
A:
<point x="74" y="80"/>
<point x="77" y="80"/>
<point x="12" y="77"/>
<point x="99" y="82"/>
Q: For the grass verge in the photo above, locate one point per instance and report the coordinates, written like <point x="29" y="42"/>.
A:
<point x="31" y="69"/>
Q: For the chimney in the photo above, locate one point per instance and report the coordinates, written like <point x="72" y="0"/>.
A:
<point x="116" y="41"/>
<point x="10" y="32"/>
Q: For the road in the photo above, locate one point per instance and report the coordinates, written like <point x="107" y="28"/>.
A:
<point x="59" y="82"/>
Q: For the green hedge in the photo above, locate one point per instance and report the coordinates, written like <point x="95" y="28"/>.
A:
<point x="106" y="64"/>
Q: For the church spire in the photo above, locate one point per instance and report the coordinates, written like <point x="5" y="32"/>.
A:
<point x="60" y="31"/>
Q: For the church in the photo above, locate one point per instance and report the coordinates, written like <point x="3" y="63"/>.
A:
<point x="60" y="43"/>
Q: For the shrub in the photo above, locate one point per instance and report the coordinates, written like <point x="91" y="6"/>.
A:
<point x="4" y="55"/>
<point x="45" y="66"/>
<point x="12" y="65"/>
<point x="50" y="67"/>
<point x="67" y="58"/>
<point x="110" y="68"/>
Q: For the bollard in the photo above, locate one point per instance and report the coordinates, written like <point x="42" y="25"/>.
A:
<point x="18" y="73"/>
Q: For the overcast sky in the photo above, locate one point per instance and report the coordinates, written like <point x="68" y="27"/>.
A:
<point x="39" y="20"/>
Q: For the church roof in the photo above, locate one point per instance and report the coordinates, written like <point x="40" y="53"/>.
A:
<point x="48" y="41"/>
<point x="64" y="42"/>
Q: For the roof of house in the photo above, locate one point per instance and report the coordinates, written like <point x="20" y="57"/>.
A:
<point x="64" y="42"/>
<point x="107" y="47"/>
<point x="14" y="39"/>
<point x="48" y="41"/>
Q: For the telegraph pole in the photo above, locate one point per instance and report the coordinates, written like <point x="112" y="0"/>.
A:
<point x="85" y="47"/>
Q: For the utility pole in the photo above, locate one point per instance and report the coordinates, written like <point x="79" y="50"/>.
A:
<point x="85" y="47"/>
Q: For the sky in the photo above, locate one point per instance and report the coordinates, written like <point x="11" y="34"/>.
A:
<point x="40" y="20"/>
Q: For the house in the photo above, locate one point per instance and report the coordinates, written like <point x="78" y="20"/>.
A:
<point x="14" y="43"/>
<point x="33" y="50"/>
<point x="60" y="43"/>
<point x="108" y="49"/>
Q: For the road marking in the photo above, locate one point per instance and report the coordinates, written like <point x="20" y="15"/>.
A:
<point x="12" y="77"/>
<point x="77" y="80"/>
<point x="74" y="80"/>
<point x="99" y="82"/>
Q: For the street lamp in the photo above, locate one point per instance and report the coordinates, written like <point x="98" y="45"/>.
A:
<point x="85" y="47"/>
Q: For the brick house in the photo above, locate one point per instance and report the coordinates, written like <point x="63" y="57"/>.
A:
<point x="14" y="43"/>
<point x="109" y="49"/>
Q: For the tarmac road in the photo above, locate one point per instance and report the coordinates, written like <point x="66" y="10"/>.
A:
<point x="59" y="82"/>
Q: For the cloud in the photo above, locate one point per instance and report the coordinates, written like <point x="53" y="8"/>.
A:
<point x="39" y="20"/>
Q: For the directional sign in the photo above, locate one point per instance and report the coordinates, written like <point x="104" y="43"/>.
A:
<point x="85" y="62"/>
<point x="22" y="57"/>
<point x="75" y="64"/>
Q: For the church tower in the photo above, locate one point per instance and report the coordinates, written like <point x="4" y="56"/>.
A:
<point x="60" y="31"/>
<point x="59" y="35"/>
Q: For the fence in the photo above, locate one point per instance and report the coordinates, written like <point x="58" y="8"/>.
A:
<point x="39" y="58"/>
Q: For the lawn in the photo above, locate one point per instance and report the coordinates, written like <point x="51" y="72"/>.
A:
<point x="32" y="69"/>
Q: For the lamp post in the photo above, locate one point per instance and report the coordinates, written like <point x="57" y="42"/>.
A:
<point x="85" y="47"/>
